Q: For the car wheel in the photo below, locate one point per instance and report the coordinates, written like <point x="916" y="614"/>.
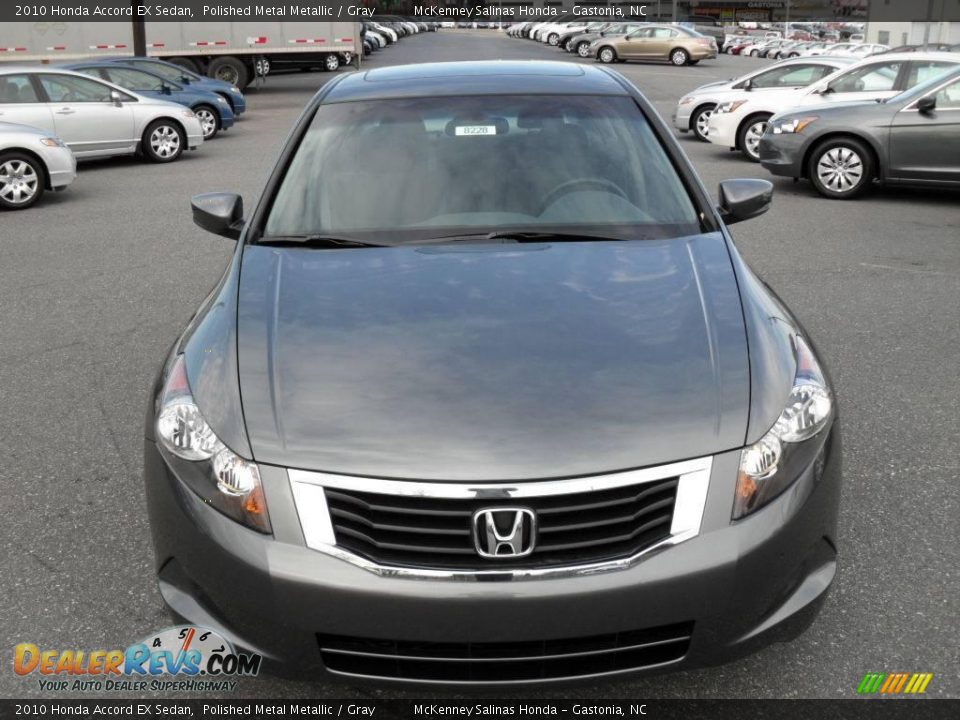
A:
<point x="749" y="134"/>
<point x="163" y="141"/>
<point x="553" y="39"/>
<point x="841" y="168"/>
<point x="230" y="70"/>
<point x="679" y="57"/>
<point x="754" y="53"/>
<point x="700" y="121"/>
<point x="22" y="179"/>
<point x="583" y="49"/>
<point x="331" y="62"/>
<point x="209" y="120"/>
<point x="607" y="55"/>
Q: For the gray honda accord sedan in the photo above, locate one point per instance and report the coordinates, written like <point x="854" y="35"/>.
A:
<point x="488" y="395"/>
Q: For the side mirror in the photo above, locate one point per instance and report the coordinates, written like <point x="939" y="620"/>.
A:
<point x="743" y="199"/>
<point x="748" y="85"/>
<point x="165" y="89"/>
<point x="219" y="213"/>
<point x="116" y="98"/>
<point x="927" y="105"/>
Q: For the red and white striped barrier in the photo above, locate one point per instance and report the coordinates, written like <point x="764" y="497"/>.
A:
<point x="208" y="43"/>
<point x="13" y="49"/>
<point x="108" y="47"/>
<point x="256" y="41"/>
<point x="56" y="47"/>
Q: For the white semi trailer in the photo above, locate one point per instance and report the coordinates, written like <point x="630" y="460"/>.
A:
<point x="233" y="51"/>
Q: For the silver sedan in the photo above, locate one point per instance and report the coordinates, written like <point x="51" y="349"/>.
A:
<point x="32" y="161"/>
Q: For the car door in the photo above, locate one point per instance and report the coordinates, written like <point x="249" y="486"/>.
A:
<point x="86" y="117"/>
<point x="661" y="43"/>
<point x="631" y="47"/>
<point x="926" y="145"/>
<point x="21" y="103"/>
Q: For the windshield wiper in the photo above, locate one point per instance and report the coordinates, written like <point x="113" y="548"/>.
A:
<point x="522" y="236"/>
<point x="317" y="241"/>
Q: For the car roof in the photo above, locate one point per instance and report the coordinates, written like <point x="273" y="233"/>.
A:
<point x="490" y="77"/>
<point x="927" y="55"/>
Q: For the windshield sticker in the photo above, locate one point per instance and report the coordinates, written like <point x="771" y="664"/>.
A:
<point x="464" y="130"/>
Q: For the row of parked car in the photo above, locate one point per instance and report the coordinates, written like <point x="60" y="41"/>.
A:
<point x="619" y="41"/>
<point x="839" y="122"/>
<point x="777" y="49"/>
<point x="51" y="116"/>
<point x="388" y="30"/>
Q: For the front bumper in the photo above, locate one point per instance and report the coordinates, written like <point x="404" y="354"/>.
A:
<point x="681" y="116"/>
<point x="723" y="129"/>
<point x="61" y="167"/>
<point x="740" y="585"/>
<point x="783" y="154"/>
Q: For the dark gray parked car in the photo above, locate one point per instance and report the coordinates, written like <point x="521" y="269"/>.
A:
<point x="912" y="138"/>
<point x="503" y="405"/>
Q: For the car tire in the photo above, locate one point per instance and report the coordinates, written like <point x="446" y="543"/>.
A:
<point x="331" y="62"/>
<point x="568" y="45"/>
<point x="553" y="39"/>
<point x="583" y="49"/>
<point x="700" y="121"/>
<point x="163" y="141"/>
<point x="209" y="120"/>
<point x="679" y="57"/>
<point x="22" y="180"/>
<point x="754" y="53"/>
<point x="230" y="70"/>
<point x="748" y="135"/>
<point x="185" y="63"/>
<point x="841" y="168"/>
<point x="607" y="55"/>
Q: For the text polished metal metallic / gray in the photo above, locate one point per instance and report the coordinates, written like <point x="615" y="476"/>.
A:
<point x="309" y="495"/>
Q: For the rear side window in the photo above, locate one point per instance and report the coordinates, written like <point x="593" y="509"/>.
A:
<point x="949" y="97"/>
<point x="17" y="89"/>
<point x="792" y="76"/>
<point x="134" y="79"/>
<point x="921" y="71"/>
<point x="872" y="78"/>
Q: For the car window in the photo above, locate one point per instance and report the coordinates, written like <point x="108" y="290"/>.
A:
<point x="922" y="70"/>
<point x="68" y="88"/>
<point x="480" y="164"/>
<point x="17" y="89"/>
<point x="157" y="69"/>
<point x="663" y="33"/>
<point x="791" y="76"/>
<point x="135" y="79"/>
<point x="949" y="96"/>
<point x="878" y="77"/>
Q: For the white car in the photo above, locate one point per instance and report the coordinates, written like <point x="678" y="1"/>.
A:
<point x="32" y="161"/>
<point x="739" y="121"/>
<point x="96" y="118"/>
<point x="832" y="49"/>
<point x="694" y="109"/>
<point x="866" y="50"/>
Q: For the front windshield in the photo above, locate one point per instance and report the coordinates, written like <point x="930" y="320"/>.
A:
<point x="177" y="75"/>
<point x="426" y="167"/>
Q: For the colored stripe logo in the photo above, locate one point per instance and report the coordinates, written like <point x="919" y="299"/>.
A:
<point x="894" y="683"/>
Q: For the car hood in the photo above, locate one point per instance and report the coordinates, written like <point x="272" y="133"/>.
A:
<point x="492" y="362"/>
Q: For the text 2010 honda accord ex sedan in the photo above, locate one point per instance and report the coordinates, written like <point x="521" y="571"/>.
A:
<point x="505" y="405"/>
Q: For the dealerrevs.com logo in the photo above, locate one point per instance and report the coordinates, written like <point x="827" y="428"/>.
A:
<point x="196" y="658"/>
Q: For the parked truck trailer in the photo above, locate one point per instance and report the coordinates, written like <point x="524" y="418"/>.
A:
<point x="233" y="51"/>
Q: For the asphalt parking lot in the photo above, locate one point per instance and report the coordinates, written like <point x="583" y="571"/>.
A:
<point x="96" y="282"/>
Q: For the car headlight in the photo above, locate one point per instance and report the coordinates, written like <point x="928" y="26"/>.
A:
<point x="234" y="88"/>
<point x="228" y="482"/>
<point x="770" y="465"/>
<point x="791" y="125"/>
<point x="188" y="114"/>
<point x="221" y="100"/>
<point x="685" y="100"/>
<point x="729" y="107"/>
<point x="52" y="142"/>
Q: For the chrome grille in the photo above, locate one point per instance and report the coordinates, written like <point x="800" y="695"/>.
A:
<point x="574" y="528"/>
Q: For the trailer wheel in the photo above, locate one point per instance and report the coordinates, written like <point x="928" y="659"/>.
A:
<point x="185" y="63"/>
<point x="230" y="70"/>
<point x="331" y="62"/>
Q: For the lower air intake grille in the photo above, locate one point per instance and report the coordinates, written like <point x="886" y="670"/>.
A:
<point x="506" y="661"/>
<point x="574" y="528"/>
